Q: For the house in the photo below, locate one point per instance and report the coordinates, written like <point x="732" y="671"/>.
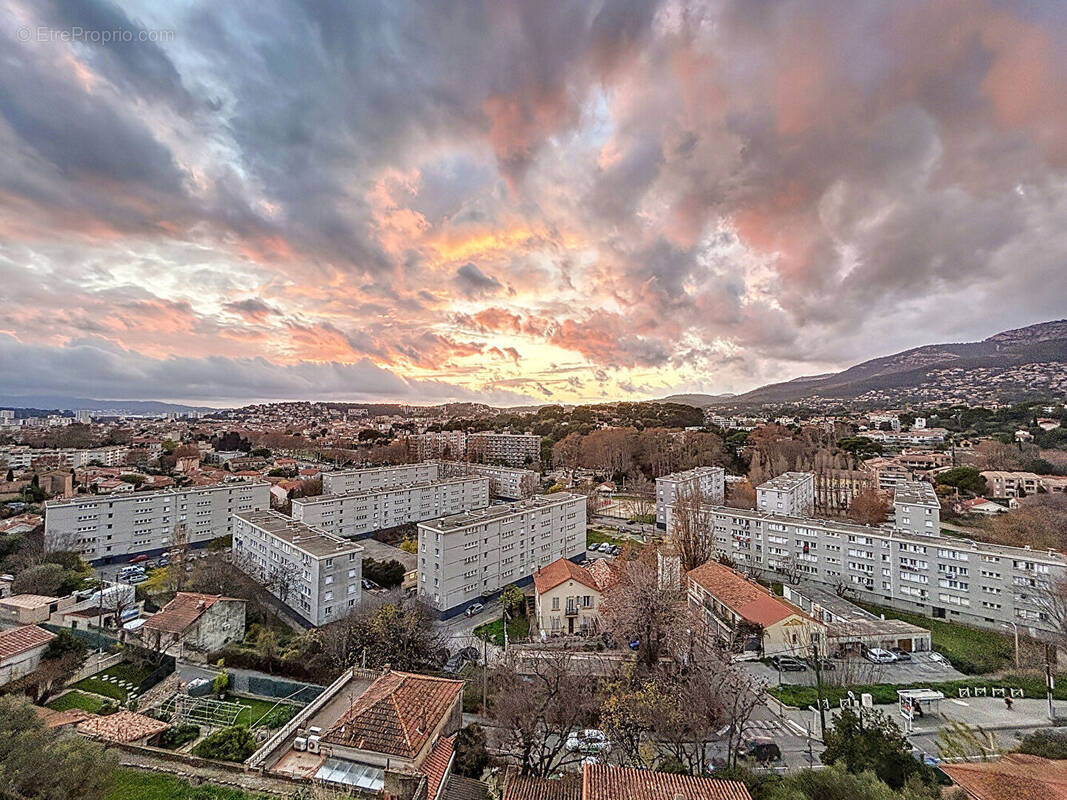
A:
<point x="21" y="650"/>
<point x="1047" y="424"/>
<point x="29" y="609"/>
<point x="609" y="782"/>
<point x="566" y="599"/>
<point x="23" y="523"/>
<point x="1016" y="776"/>
<point x="389" y="731"/>
<point x="740" y="610"/>
<point x="200" y="622"/>
<point x="979" y="505"/>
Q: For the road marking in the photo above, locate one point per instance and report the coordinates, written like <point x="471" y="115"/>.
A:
<point x="958" y="702"/>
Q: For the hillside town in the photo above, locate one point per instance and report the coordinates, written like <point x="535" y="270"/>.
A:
<point x="265" y="596"/>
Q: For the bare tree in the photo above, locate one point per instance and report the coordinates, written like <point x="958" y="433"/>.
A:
<point x="741" y="494"/>
<point x="642" y="496"/>
<point x="535" y="712"/>
<point x="869" y="507"/>
<point x="567" y="454"/>
<point x="690" y="528"/>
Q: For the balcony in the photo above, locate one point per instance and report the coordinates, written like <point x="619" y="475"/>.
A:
<point x="571" y="610"/>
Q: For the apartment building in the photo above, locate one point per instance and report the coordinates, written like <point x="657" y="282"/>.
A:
<point x="465" y="557"/>
<point x="1001" y="483"/>
<point x="104" y="529"/>
<point x="438" y="444"/>
<point x="21" y="456"/>
<point x="916" y="508"/>
<point x="791" y="493"/>
<point x="362" y="480"/>
<point x="356" y="514"/>
<point x="508" y="483"/>
<point x="980" y="584"/>
<point x="888" y="473"/>
<point x="511" y="449"/>
<point x="314" y="573"/>
<point x="709" y="482"/>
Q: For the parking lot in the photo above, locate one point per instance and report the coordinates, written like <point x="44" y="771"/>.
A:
<point x="921" y="668"/>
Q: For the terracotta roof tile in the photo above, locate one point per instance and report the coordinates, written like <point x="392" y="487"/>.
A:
<point x="552" y="575"/>
<point x="606" y="782"/>
<point x="122" y="726"/>
<point x="744" y="597"/>
<point x="396" y="714"/>
<point x="19" y="640"/>
<point x="461" y="788"/>
<point x="435" y="766"/>
<point x="181" y="612"/>
<point x="520" y="787"/>
<point x="28" y="601"/>
<point x="1014" y="777"/>
<point x="602" y="571"/>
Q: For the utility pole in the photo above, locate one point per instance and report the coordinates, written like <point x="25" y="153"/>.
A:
<point x="485" y="675"/>
<point x="818" y="682"/>
<point x="1050" y="681"/>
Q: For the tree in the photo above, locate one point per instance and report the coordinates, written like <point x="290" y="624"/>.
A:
<point x="967" y="479"/>
<point x="960" y="741"/>
<point x="44" y="579"/>
<point x="1039" y="522"/>
<point x="227" y="744"/>
<point x="471" y="753"/>
<point x="384" y="573"/>
<point x="400" y="634"/>
<point x="567" y="454"/>
<point x="836" y="783"/>
<point x="1045" y="743"/>
<point x="690" y="529"/>
<point x="741" y="494"/>
<point x="536" y="711"/>
<point x="869" y="507"/>
<point x="869" y="741"/>
<point x="41" y="764"/>
<point x="512" y="597"/>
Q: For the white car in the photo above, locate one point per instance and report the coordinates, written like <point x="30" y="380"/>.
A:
<point x="880" y="656"/>
<point x="589" y="741"/>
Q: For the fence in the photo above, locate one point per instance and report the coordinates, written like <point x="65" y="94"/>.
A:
<point x="158" y="675"/>
<point x="94" y="638"/>
<point x="277" y="687"/>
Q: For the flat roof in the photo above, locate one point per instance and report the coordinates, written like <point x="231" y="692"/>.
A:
<point x="787" y="480"/>
<point x="492" y="513"/>
<point x="97" y="498"/>
<point x="916" y="493"/>
<point x="27" y="600"/>
<point x="322" y="498"/>
<point x="301" y="536"/>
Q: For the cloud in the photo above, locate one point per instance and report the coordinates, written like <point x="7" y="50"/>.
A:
<point x="472" y="282"/>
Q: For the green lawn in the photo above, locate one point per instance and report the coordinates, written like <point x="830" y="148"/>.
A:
<point x="76" y="699"/>
<point x="971" y="651"/>
<point x="97" y="686"/>
<point x="599" y="535"/>
<point x="126" y="671"/>
<point x="518" y="629"/>
<point x="130" y="784"/>
<point x="883" y="693"/>
<point x="254" y="710"/>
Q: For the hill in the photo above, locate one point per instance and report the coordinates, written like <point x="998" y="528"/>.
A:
<point x="1013" y="365"/>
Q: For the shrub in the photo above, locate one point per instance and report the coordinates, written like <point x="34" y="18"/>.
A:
<point x="278" y="717"/>
<point x="228" y="744"/>
<point x="384" y="573"/>
<point x="472" y="756"/>
<point x="175" y="737"/>
<point x="1045" y="743"/>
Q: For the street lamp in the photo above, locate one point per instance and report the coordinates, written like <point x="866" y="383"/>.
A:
<point x="1016" y="629"/>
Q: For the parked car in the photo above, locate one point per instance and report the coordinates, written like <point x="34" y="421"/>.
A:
<point x="139" y="559"/>
<point x="367" y="584"/>
<point x="788" y="664"/>
<point x="762" y="749"/>
<point x="474" y="610"/>
<point x="900" y="653"/>
<point x="615" y="550"/>
<point x="880" y="656"/>
<point x="138" y="578"/>
<point x="460" y="658"/>
<point x="589" y="741"/>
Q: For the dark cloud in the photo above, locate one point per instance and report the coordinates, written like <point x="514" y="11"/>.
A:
<point x="472" y="282"/>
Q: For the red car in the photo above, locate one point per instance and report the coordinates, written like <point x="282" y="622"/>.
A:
<point x="138" y="559"/>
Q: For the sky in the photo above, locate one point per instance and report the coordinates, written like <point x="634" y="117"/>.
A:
<point x="513" y="201"/>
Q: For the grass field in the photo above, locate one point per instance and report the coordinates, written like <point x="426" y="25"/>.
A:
<point x="518" y="629"/>
<point x="130" y="784"/>
<point x="598" y="535"/>
<point x="124" y="671"/>
<point x="971" y="651"/>
<point x="76" y="699"/>
<point x="882" y="693"/>
<point x="253" y="711"/>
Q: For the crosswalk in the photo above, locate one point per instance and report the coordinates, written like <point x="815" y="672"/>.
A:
<point x="774" y="728"/>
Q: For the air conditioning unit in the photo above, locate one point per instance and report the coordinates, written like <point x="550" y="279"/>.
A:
<point x="313" y="744"/>
<point x="314" y="730"/>
<point x="300" y="743"/>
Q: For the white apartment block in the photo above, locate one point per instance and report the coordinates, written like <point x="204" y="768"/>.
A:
<point x="877" y="420"/>
<point x="16" y="456"/>
<point x="709" y="482"/>
<point x="361" y="513"/>
<point x="439" y="444"/>
<point x="466" y="557"/>
<point x="791" y="493"/>
<point x="509" y="483"/>
<point x="916" y="508"/>
<point x="984" y="585"/>
<point x="315" y="573"/>
<point x="107" y="528"/>
<point x="361" y="480"/>
<point x="511" y="449"/>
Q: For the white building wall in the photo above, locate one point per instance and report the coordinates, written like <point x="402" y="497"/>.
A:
<point x="361" y="480"/>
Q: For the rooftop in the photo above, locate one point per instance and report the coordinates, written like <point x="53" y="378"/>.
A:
<point x="746" y="598"/>
<point x="323" y="498"/>
<point x="483" y="515"/>
<point x="16" y="641"/>
<point x="185" y="609"/>
<point x="552" y="575"/>
<point x="396" y="714"/>
<point x="607" y="782"/>
<point x="916" y="493"/>
<point x="73" y="501"/>
<point x="311" y="540"/>
<point x="786" y="481"/>
<point x="1016" y="776"/>
<point x="122" y="727"/>
<point x="27" y="601"/>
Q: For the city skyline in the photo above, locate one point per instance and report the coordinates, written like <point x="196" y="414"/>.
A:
<point x="513" y="203"/>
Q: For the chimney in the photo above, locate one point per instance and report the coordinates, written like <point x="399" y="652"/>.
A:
<point x="386" y="669"/>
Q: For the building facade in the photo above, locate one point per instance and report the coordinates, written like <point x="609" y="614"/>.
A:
<point x="465" y="557"/>
<point x="315" y="573"/>
<point x="510" y="449"/>
<point x="791" y="493"/>
<point x="438" y="444"/>
<point x="103" y="529"/>
<point x="508" y="483"/>
<point x="363" y="480"/>
<point x="916" y="508"/>
<point x="16" y="456"/>
<point x="709" y="482"/>
<point x="355" y="514"/>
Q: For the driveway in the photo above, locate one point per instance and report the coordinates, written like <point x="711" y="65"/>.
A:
<point x="921" y="669"/>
